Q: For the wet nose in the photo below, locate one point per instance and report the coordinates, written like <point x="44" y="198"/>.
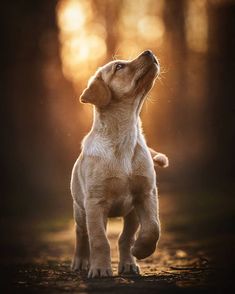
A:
<point x="148" y="52"/>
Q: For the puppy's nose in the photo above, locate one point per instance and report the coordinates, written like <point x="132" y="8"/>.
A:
<point x="150" y="54"/>
<point x="147" y="52"/>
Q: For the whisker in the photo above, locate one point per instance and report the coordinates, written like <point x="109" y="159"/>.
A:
<point x="115" y="55"/>
<point x="164" y="70"/>
<point x="151" y="99"/>
<point x="162" y="79"/>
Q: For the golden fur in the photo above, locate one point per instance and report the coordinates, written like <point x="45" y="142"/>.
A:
<point x="114" y="174"/>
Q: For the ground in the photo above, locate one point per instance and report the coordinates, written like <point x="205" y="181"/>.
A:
<point x="194" y="255"/>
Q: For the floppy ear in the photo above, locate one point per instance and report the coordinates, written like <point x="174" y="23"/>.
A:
<point x="96" y="93"/>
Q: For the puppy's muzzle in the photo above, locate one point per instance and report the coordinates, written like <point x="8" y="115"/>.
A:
<point x="149" y="53"/>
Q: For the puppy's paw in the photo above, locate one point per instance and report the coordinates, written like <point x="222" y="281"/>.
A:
<point x="96" y="272"/>
<point x="80" y="264"/>
<point x="128" y="269"/>
<point x="143" y="248"/>
<point x="161" y="160"/>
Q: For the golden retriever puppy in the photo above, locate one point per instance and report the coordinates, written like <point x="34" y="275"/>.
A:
<point x="114" y="174"/>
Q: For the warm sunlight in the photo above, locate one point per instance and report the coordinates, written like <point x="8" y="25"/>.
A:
<point x="71" y="16"/>
<point x="76" y="76"/>
<point x="82" y="42"/>
<point x="140" y="27"/>
<point x="84" y="36"/>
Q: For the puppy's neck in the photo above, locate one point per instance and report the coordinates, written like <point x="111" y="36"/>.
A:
<point x="118" y="129"/>
<point x="115" y="121"/>
<point x="114" y="134"/>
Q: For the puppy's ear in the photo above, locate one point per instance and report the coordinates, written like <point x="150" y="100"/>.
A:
<point x="96" y="93"/>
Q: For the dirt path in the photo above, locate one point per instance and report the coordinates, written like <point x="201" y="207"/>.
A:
<point x="184" y="261"/>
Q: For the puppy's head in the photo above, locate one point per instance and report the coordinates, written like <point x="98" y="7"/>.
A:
<point x="122" y="81"/>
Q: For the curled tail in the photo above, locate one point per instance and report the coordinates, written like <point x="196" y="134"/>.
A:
<point x="159" y="159"/>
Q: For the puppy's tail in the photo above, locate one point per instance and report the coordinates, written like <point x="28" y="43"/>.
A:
<point x="159" y="159"/>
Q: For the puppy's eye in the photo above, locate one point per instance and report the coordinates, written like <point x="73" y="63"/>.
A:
<point x="119" y="66"/>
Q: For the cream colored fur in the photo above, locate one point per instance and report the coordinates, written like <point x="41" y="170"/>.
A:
<point x="114" y="174"/>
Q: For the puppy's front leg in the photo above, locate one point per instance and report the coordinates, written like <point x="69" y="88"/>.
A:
<point x="127" y="263"/>
<point x="100" y="260"/>
<point x="147" y="210"/>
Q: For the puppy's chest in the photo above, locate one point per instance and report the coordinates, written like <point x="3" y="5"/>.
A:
<point x="121" y="193"/>
<point x="131" y="162"/>
<point x="119" y="155"/>
<point x="122" y="162"/>
<point x="123" y="156"/>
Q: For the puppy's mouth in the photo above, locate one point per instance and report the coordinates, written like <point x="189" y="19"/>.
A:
<point x="153" y="68"/>
<point x="146" y="63"/>
<point x="145" y="78"/>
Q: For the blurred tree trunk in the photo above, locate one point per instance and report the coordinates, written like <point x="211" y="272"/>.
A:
<point x="174" y="17"/>
<point x="27" y="134"/>
<point x="175" y="53"/>
<point x="111" y="12"/>
<point x="221" y="89"/>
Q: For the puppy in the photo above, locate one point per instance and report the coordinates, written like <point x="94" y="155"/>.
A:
<point x="114" y="174"/>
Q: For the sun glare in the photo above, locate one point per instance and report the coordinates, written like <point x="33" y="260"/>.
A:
<point x="71" y="17"/>
<point x="151" y="28"/>
<point x="83" y="44"/>
<point x="83" y="34"/>
<point x="139" y="27"/>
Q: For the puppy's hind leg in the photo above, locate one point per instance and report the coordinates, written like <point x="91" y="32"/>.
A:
<point x="81" y="255"/>
<point x="127" y="264"/>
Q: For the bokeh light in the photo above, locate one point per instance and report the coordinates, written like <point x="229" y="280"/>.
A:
<point x="82" y="40"/>
<point x="83" y="34"/>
